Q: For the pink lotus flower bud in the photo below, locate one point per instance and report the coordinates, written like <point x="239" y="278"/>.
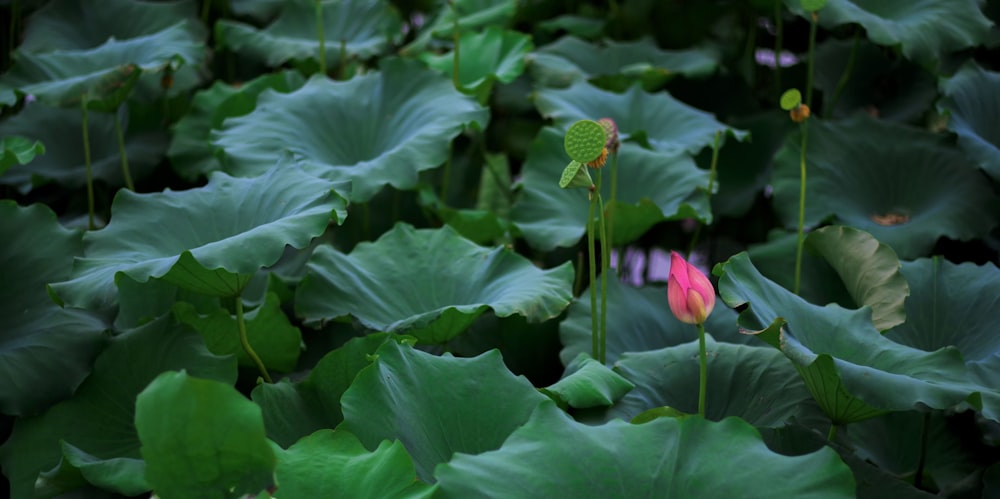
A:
<point x="689" y="292"/>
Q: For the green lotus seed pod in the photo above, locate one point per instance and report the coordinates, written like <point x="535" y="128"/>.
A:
<point x="575" y="175"/>
<point x="791" y="99"/>
<point x="584" y="141"/>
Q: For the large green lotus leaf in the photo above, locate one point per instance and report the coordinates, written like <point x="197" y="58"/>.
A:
<point x="334" y="464"/>
<point x="588" y="383"/>
<point x="98" y="419"/>
<point x="647" y="324"/>
<point x="18" y="151"/>
<point x="412" y="114"/>
<point x="467" y="15"/>
<point x="905" y="186"/>
<point x="103" y="74"/>
<point x="45" y="351"/>
<point x="201" y="437"/>
<point x="64" y="162"/>
<point x="436" y="406"/>
<point x="574" y="25"/>
<point x="259" y="10"/>
<point x="294" y="410"/>
<point x="819" y="283"/>
<point x="667" y="124"/>
<point x="85" y="24"/>
<point x="869" y="270"/>
<point x="652" y="187"/>
<point x="361" y="28"/>
<point x="954" y="305"/>
<point x="269" y="332"/>
<point x="123" y="475"/>
<point x="492" y="55"/>
<point x="190" y="151"/>
<point x="570" y="59"/>
<point x="397" y="284"/>
<point x="853" y="371"/>
<point x="554" y="456"/>
<point x="970" y="98"/>
<point x="893" y="443"/>
<point x="924" y="29"/>
<point x="881" y="83"/>
<point x="758" y="385"/>
<point x="167" y="234"/>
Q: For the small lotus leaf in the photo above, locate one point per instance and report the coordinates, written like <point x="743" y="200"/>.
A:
<point x="491" y="55"/>
<point x="395" y="284"/>
<point x="588" y="383"/>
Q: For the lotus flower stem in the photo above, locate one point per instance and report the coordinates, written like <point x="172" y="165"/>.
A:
<point x="812" y="59"/>
<point x="611" y="221"/>
<point x="711" y="185"/>
<point x="121" y="152"/>
<point x="778" y="41"/>
<point x="800" y="238"/>
<point x="918" y="478"/>
<point x="605" y="264"/>
<point x="832" y="434"/>
<point x="594" y="331"/>
<point x="321" y="35"/>
<point x="845" y="77"/>
<point x="702" y="370"/>
<point x="86" y="162"/>
<point x="242" y="325"/>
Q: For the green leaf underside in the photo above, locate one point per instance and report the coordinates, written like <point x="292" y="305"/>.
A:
<point x="394" y="284"/>
<point x="588" y="383"/>
<point x="971" y="98"/>
<point x="905" y="186"/>
<point x="269" y="332"/>
<point x="853" y="372"/>
<point x="366" y="28"/>
<point x="758" y="385"/>
<point x="45" y="351"/>
<point x="225" y="455"/>
<point x="649" y="325"/>
<point x="334" y="464"/>
<point x="98" y="418"/>
<point x="652" y="187"/>
<point x="924" y="29"/>
<point x="666" y="123"/>
<point x="412" y="114"/>
<point x="253" y="220"/>
<point x="869" y="270"/>
<point x="396" y="398"/>
<point x="670" y="458"/>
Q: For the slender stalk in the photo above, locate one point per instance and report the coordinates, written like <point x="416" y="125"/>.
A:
<point x="703" y="370"/>
<point x="594" y="331"/>
<point x="206" y="7"/>
<point x="15" y="16"/>
<point x="845" y="77"/>
<point x="611" y="221"/>
<point x="812" y="60"/>
<point x="778" y="40"/>
<point x="800" y="239"/>
<point x="121" y="152"/>
<point x="321" y="35"/>
<point x="86" y="161"/>
<point x="241" y="323"/>
<point x="455" y="60"/>
<point x="918" y="479"/>
<point x="711" y="185"/>
<point x="605" y="263"/>
<point x="832" y="434"/>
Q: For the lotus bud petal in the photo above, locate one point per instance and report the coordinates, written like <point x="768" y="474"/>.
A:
<point x="689" y="292"/>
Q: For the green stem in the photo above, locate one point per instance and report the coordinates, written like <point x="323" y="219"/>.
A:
<point x="918" y="479"/>
<point x="458" y="46"/>
<point x="322" y="37"/>
<point x="605" y="261"/>
<point x="832" y="434"/>
<point x="15" y="15"/>
<point x="241" y="323"/>
<point x="800" y="238"/>
<point x="812" y="60"/>
<point x="703" y="370"/>
<point x="594" y="331"/>
<point x="845" y="77"/>
<point x="614" y="197"/>
<point x="206" y="7"/>
<point x="121" y="152"/>
<point x="711" y="185"/>
<point x="778" y="40"/>
<point x="86" y="161"/>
